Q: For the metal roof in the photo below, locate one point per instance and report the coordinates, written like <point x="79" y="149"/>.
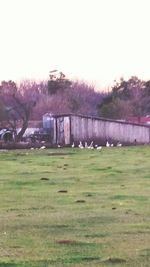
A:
<point x="98" y="118"/>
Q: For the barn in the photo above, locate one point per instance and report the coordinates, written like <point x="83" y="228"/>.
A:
<point x="67" y="128"/>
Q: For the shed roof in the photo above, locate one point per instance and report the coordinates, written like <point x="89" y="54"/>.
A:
<point x="99" y="118"/>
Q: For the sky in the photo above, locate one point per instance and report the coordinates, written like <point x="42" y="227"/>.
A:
<point x="97" y="41"/>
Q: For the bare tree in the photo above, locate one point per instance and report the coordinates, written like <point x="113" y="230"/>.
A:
<point x="18" y="104"/>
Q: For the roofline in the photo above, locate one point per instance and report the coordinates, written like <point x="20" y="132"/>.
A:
<point x="99" y="118"/>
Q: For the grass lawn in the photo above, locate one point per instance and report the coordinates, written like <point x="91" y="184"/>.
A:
<point x="78" y="208"/>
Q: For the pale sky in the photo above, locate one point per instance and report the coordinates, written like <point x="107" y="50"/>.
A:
<point x="92" y="40"/>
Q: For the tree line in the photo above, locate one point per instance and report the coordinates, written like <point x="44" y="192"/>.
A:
<point x="127" y="98"/>
<point x="30" y="100"/>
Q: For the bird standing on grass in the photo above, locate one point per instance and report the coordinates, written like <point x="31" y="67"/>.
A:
<point x="99" y="147"/>
<point x="42" y="147"/>
<point x="91" y="145"/>
<point x="119" y="144"/>
<point x="80" y="145"/>
<point x="107" y="144"/>
<point x="86" y="145"/>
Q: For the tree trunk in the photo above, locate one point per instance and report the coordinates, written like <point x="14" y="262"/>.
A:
<point x="22" y="131"/>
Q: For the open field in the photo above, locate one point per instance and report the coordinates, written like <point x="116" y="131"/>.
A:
<point x="78" y="208"/>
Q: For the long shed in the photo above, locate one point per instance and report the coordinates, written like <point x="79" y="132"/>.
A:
<point x="68" y="128"/>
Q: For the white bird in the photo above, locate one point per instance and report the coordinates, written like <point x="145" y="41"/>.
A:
<point x="86" y="145"/>
<point x="107" y="144"/>
<point x="42" y="147"/>
<point x="112" y="145"/>
<point x="99" y="147"/>
<point x="73" y="145"/>
<point x="58" y="146"/>
<point x="91" y="145"/>
<point x="80" y="145"/>
<point x="119" y="144"/>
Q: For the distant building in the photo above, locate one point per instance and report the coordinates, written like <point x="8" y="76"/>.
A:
<point x="68" y="128"/>
<point x="140" y="120"/>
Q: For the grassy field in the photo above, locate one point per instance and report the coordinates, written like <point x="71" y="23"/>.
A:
<point x="78" y="208"/>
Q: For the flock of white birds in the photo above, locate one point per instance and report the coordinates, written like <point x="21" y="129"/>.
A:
<point x="92" y="146"/>
<point x="84" y="145"/>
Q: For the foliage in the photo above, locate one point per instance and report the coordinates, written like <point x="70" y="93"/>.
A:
<point x="2" y="111"/>
<point x="77" y="98"/>
<point x="57" y="82"/>
<point x="18" y="105"/>
<point x="29" y="100"/>
<point x="128" y="98"/>
<point x="117" y="109"/>
<point x="83" y="99"/>
<point x="128" y="89"/>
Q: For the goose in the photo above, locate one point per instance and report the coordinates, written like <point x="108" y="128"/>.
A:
<point x="119" y="144"/>
<point x="80" y="145"/>
<point x="91" y="145"/>
<point x="107" y="144"/>
<point x="86" y="145"/>
<point x="42" y="147"/>
<point x="73" y="145"/>
<point x="99" y="147"/>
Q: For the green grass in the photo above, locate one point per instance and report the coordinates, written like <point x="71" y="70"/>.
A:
<point x="84" y="208"/>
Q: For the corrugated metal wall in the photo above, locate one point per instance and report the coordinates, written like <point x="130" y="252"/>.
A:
<point x="88" y="128"/>
<point x="69" y="128"/>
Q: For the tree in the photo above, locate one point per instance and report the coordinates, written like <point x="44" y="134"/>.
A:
<point x="117" y="109"/>
<point x="19" y="105"/>
<point x="2" y="112"/>
<point x="125" y="99"/>
<point x="125" y="90"/>
<point x="83" y="99"/>
<point x="57" y="82"/>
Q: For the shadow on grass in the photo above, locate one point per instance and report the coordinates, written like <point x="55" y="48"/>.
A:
<point x="130" y="197"/>
<point x="43" y="263"/>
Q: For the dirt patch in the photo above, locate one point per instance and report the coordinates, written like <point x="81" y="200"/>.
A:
<point x="59" y="153"/>
<point x="90" y="258"/>
<point x="80" y="201"/>
<point x="66" y="242"/>
<point x="115" y="260"/>
<point x="89" y="195"/>
<point x="62" y="191"/>
<point x="44" y="179"/>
